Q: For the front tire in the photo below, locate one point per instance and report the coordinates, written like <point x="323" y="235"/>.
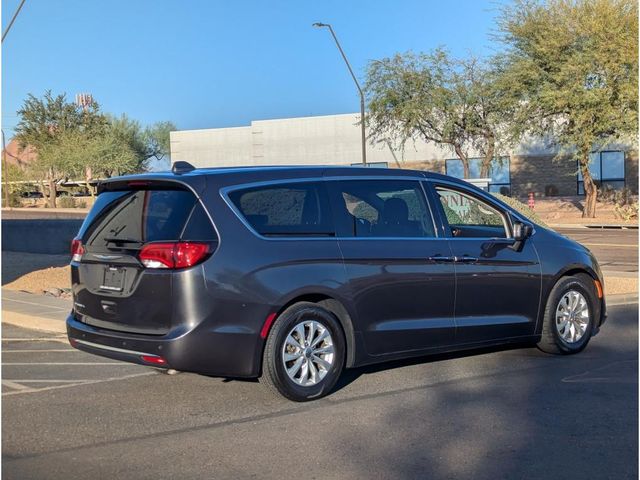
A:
<point x="304" y="353"/>
<point x="569" y="316"/>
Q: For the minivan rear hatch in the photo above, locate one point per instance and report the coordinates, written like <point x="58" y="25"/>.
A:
<point x="127" y="252"/>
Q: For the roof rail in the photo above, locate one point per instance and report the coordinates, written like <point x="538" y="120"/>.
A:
<point x="180" y="167"/>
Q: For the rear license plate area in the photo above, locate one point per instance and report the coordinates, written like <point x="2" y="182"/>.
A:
<point x="113" y="279"/>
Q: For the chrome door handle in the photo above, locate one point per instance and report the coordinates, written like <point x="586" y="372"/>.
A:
<point x="465" y="259"/>
<point x="440" y="258"/>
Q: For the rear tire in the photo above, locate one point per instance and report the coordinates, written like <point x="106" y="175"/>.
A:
<point x="569" y="316"/>
<point x="304" y="353"/>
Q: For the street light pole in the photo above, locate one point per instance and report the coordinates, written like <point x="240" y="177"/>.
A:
<point x="362" y="125"/>
<point x="7" y="194"/>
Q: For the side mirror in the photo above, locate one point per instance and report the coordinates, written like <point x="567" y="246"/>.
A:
<point x="521" y="231"/>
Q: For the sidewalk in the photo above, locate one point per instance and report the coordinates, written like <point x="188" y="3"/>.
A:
<point x="41" y="312"/>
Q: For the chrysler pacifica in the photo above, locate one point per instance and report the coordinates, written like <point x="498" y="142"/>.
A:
<point x="293" y="274"/>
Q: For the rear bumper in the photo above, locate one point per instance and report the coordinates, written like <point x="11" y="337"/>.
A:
<point x="201" y="350"/>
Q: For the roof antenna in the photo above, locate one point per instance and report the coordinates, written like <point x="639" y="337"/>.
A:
<point x="180" y="167"/>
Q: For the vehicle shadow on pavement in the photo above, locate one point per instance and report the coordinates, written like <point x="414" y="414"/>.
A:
<point x="352" y="374"/>
<point x="534" y="416"/>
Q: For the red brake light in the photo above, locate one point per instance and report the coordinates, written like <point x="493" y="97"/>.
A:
<point x="138" y="183"/>
<point x="77" y="250"/>
<point x="173" y="255"/>
<point x="188" y="254"/>
<point x="158" y="255"/>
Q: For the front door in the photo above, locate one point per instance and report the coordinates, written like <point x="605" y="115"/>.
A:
<point x="498" y="287"/>
<point x="399" y="271"/>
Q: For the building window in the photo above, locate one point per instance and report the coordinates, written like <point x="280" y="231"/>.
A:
<point x="499" y="172"/>
<point x="607" y="170"/>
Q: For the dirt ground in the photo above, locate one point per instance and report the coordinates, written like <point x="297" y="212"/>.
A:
<point x="568" y="210"/>
<point x="38" y="272"/>
<point x="33" y="272"/>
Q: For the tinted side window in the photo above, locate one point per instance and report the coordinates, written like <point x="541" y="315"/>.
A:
<point x="469" y="216"/>
<point x="381" y="208"/>
<point x="139" y="216"/>
<point x="286" y="209"/>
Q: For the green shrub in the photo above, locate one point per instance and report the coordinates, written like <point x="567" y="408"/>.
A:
<point x="522" y="208"/>
<point x="620" y="197"/>
<point x="14" y="200"/>
<point x="67" y="202"/>
<point x="627" y="212"/>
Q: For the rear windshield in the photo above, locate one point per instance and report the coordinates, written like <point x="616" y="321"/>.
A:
<point x="142" y="216"/>
<point x="286" y="209"/>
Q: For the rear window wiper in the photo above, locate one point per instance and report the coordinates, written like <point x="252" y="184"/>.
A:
<point x="122" y="240"/>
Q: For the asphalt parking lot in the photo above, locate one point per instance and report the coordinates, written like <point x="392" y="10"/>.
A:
<point x="515" y="413"/>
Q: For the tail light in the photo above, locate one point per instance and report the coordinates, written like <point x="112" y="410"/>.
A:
<point x="77" y="250"/>
<point x="154" y="359"/>
<point x="174" y="255"/>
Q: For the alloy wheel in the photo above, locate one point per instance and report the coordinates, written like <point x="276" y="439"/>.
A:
<point x="308" y="353"/>
<point x="572" y="316"/>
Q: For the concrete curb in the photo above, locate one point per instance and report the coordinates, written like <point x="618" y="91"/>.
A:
<point x="33" y="322"/>
<point x="632" y="226"/>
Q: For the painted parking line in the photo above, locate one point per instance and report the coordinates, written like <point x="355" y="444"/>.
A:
<point x="36" y="339"/>
<point x="15" y="385"/>
<point x="53" y="350"/>
<point x="24" y="364"/>
<point x="27" y="390"/>
<point x="77" y="380"/>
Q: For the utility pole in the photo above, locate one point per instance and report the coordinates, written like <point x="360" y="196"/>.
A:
<point x="362" y="125"/>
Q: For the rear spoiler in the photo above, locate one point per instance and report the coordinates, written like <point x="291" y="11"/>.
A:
<point x="194" y="183"/>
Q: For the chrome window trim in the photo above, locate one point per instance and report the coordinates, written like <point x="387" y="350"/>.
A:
<point x="225" y="191"/>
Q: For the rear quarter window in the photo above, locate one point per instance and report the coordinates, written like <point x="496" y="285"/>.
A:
<point x="285" y="209"/>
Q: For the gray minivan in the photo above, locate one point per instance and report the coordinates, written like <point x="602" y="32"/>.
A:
<point x="293" y="273"/>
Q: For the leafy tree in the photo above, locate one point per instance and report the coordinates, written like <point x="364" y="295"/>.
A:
<point x="72" y="141"/>
<point x="44" y="122"/>
<point x="438" y="99"/>
<point x="13" y="173"/>
<point x="157" y="140"/>
<point x="81" y="153"/>
<point x="124" y="131"/>
<point x="572" y="66"/>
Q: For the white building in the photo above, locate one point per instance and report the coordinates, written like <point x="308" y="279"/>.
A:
<point x="335" y="140"/>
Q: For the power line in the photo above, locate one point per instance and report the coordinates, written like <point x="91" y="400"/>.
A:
<point x="13" y="19"/>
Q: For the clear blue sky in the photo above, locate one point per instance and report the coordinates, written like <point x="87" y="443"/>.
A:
<point x="214" y="63"/>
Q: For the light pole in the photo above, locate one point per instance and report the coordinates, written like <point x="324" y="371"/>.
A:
<point x="362" y="126"/>
<point x="7" y="194"/>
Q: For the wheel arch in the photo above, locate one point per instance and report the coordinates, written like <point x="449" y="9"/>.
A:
<point x="570" y="271"/>
<point x="337" y="308"/>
